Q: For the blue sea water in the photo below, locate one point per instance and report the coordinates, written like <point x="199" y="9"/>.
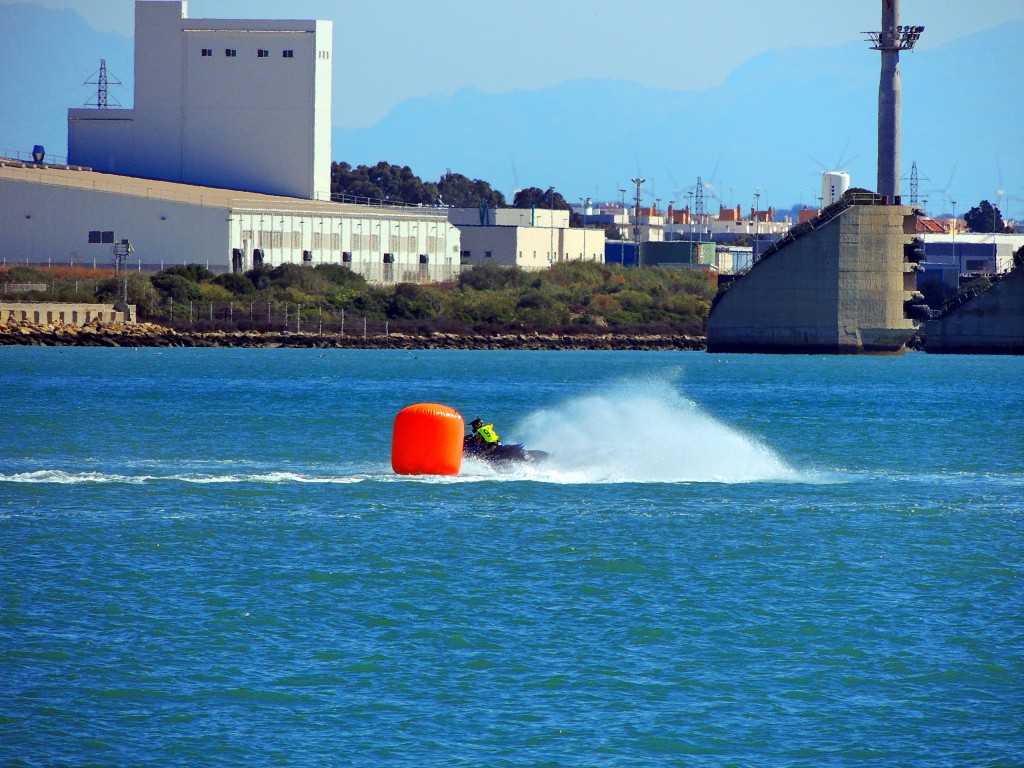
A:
<point x="205" y="559"/>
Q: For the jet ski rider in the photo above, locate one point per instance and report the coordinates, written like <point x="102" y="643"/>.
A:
<point x="483" y="436"/>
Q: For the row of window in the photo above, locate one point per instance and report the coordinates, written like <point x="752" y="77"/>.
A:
<point x="262" y="53"/>
<point x="258" y="257"/>
<point x="319" y="241"/>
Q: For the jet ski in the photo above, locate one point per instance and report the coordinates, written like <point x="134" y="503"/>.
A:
<point x="514" y="453"/>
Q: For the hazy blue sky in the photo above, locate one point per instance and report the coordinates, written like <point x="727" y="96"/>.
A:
<point x="391" y="50"/>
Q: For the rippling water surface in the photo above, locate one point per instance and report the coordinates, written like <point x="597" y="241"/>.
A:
<point x="730" y="560"/>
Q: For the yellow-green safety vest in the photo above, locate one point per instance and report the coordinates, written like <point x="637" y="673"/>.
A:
<point x="487" y="433"/>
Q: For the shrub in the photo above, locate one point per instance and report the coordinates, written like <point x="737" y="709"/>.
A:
<point x="194" y="272"/>
<point x="213" y="292"/>
<point x="339" y="275"/>
<point x="238" y="285"/>
<point x="492" y="277"/>
<point x="175" y="287"/>
<point x="413" y="302"/>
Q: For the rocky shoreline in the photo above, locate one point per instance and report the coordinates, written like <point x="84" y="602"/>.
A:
<point x="152" y="335"/>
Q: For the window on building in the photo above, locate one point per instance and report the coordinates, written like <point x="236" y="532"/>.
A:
<point x="230" y="52"/>
<point x="466" y="255"/>
<point x="288" y="54"/>
<point x="107" y="237"/>
<point x="94" y="236"/>
<point x="207" y="51"/>
<point x="262" y="53"/>
<point x="487" y="254"/>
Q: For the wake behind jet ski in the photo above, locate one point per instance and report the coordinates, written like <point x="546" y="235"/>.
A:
<point x="483" y="443"/>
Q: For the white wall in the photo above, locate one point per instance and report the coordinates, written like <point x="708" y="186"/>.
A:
<point x="509" y="217"/>
<point x="43" y="222"/>
<point x="101" y="139"/>
<point x="530" y="248"/>
<point x="366" y="234"/>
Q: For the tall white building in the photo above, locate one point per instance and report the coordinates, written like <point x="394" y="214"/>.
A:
<point x="236" y="104"/>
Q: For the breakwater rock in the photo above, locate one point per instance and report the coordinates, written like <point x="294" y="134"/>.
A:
<point x="153" y="335"/>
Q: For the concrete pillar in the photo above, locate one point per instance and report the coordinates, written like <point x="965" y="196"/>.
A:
<point x="890" y="97"/>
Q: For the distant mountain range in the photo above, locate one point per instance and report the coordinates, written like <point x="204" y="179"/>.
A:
<point x="774" y="124"/>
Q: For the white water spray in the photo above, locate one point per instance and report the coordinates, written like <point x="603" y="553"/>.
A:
<point x="645" y="432"/>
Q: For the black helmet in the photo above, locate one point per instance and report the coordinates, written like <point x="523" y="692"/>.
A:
<point x="475" y="424"/>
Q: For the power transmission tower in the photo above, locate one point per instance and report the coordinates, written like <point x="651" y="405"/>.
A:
<point x="103" y="81"/>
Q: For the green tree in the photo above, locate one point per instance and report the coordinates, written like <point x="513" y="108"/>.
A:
<point x="459" y="191"/>
<point x="984" y="217"/>
<point x="541" y="198"/>
<point x="384" y="182"/>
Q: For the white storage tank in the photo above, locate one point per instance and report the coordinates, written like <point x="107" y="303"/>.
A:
<point x="833" y="185"/>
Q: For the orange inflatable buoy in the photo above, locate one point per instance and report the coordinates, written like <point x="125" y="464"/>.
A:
<point x="427" y="440"/>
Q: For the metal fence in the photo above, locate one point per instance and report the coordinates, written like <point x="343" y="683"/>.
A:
<point x="270" y="316"/>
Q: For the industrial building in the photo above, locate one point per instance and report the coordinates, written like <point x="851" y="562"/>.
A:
<point x="240" y="104"/>
<point x="529" y="238"/>
<point x="56" y="214"/>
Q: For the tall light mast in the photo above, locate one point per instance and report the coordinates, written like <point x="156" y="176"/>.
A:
<point x="636" y="212"/>
<point x="892" y="39"/>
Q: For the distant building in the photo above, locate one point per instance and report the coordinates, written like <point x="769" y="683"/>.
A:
<point x="530" y="238"/>
<point x="239" y="104"/>
<point x="951" y="259"/>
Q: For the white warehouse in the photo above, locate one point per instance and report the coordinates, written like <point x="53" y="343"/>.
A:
<point x="240" y="104"/>
<point x="58" y="215"/>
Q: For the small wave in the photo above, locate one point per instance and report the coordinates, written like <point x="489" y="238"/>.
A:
<point x="62" y="477"/>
